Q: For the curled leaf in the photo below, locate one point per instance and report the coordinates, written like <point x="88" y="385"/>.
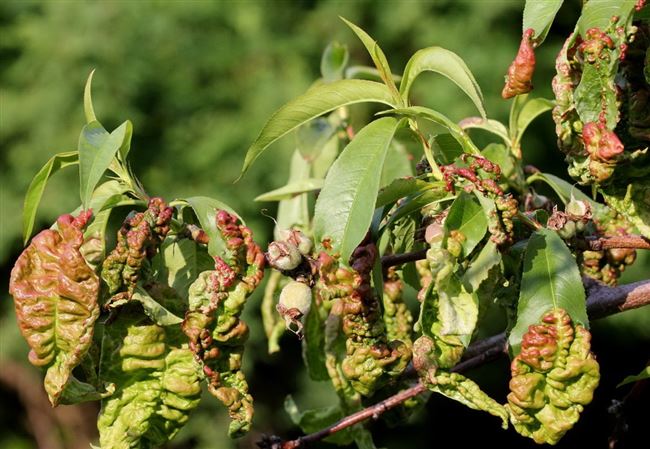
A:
<point x="213" y="326"/>
<point x="55" y="294"/>
<point x="157" y="378"/>
<point x="519" y="79"/>
<point x="553" y="378"/>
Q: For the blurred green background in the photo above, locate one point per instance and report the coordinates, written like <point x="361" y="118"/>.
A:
<point x="198" y="79"/>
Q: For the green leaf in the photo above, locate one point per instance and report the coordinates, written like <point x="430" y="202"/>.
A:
<point x="157" y="380"/>
<point x="598" y="78"/>
<point x="644" y="374"/>
<point x="316" y="101"/>
<point x="179" y="262"/>
<point x="398" y="163"/>
<point x="316" y="419"/>
<point x="492" y="126"/>
<point x="445" y="148"/>
<point x="403" y="187"/>
<point x="500" y="155"/>
<point x="599" y="13"/>
<point x="294" y="212"/>
<point x="346" y="203"/>
<point x="440" y="119"/>
<point x="37" y="187"/>
<point x="273" y="323"/>
<point x="292" y="190"/>
<point x="333" y="62"/>
<point x="378" y="58"/>
<point x="467" y="217"/>
<point x="364" y="72"/>
<point x="479" y="268"/>
<point x="563" y="189"/>
<point x="551" y="280"/>
<point x="327" y="155"/>
<point x="154" y="310"/>
<point x="206" y="209"/>
<point x="539" y="15"/>
<point x="94" y="159"/>
<point x="446" y="63"/>
<point x="530" y="111"/>
<point x="89" y="111"/>
<point x="416" y="202"/>
<point x="313" y="345"/>
<point x="457" y="311"/>
<point x="77" y="392"/>
<point x="312" y="137"/>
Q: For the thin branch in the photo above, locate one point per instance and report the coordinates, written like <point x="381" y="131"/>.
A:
<point x="619" y="241"/>
<point x="602" y="301"/>
<point x="399" y="259"/>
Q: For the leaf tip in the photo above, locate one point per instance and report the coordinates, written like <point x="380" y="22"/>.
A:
<point x="89" y="110"/>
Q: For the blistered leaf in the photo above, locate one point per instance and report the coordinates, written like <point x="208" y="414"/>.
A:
<point x="55" y="294"/>
<point x="539" y="15"/>
<point x="599" y="13"/>
<point x="37" y="187"/>
<point x="466" y="217"/>
<point x="519" y="79"/>
<point x="157" y="378"/>
<point x="94" y="158"/>
<point x="551" y="280"/>
<point x="316" y="101"/>
<point x="553" y="378"/>
<point x="446" y="63"/>
<point x="345" y="205"/>
<point x="632" y="201"/>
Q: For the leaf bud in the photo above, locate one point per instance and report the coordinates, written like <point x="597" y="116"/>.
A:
<point x="283" y="256"/>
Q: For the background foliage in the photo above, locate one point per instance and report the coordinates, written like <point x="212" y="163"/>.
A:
<point x="198" y="80"/>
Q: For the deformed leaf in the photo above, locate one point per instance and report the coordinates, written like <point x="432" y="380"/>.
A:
<point x="447" y="64"/>
<point x="37" y="187"/>
<point x="553" y="378"/>
<point x="316" y="101"/>
<point x="55" y="294"/>
<point x="479" y="269"/>
<point x="599" y="13"/>
<point x="632" y="201"/>
<point x="551" y="280"/>
<point x="157" y="379"/>
<point x="345" y="205"/>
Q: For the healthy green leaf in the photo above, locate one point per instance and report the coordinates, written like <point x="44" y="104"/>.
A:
<point x="316" y="101"/>
<point x="644" y="374"/>
<point x="530" y="111"/>
<point x="206" y="209"/>
<point x="294" y="212"/>
<point x="37" y="187"/>
<point x="599" y="13"/>
<point x="154" y="310"/>
<point x="440" y="119"/>
<point x="446" y="63"/>
<point x="539" y="15"/>
<point x="89" y="111"/>
<point x="94" y="160"/>
<point x="500" y="155"/>
<point x="364" y="72"/>
<point x="313" y="345"/>
<point x="345" y="205"/>
<point x="479" y="269"/>
<point x="416" y="202"/>
<point x="326" y="157"/>
<point x="312" y="136"/>
<point x="493" y="126"/>
<point x="402" y="187"/>
<point x="457" y="311"/>
<point x="398" y="163"/>
<point x="316" y="419"/>
<point x="292" y="190"/>
<point x="333" y="62"/>
<point x="445" y="148"/>
<point x="378" y="57"/>
<point x="551" y="280"/>
<point x="467" y="217"/>
<point x="179" y="262"/>
<point x="563" y="189"/>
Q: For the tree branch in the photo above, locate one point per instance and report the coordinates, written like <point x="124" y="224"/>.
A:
<point x="399" y="259"/>
<point x="602" y="301"/>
